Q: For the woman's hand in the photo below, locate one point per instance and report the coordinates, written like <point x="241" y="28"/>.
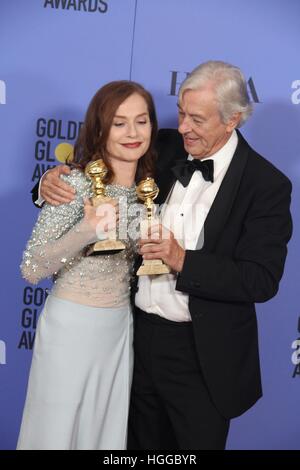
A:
<point x="101" y="219"/>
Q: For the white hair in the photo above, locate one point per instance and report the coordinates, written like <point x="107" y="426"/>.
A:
<point x="229" y="84"/>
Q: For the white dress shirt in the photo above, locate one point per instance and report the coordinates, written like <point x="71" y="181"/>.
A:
<point x="184" y="213"/>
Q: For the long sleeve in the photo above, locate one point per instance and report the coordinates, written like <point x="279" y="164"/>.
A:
<point x="37" y="199"/>
<point x="58" y="236"/>
<point x="253" y="273"/>
<point x="35" y="194"/>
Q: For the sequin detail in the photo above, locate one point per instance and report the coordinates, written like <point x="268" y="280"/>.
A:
<point x="57" y="246"/>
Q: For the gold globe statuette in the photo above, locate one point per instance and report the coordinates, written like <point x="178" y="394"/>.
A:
<point x="147" y="190"/>
<point x="96" y="171"/>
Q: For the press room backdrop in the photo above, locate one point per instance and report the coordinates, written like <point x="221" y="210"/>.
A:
<point x="54" y="55"/>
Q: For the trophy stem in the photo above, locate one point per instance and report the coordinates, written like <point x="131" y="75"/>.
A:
<point x="149" y="204"/>
<point x="147" y="191"/>
<point x="96" y="171"/>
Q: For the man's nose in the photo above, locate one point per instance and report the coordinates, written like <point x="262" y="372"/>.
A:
<point x="184" y="125"/>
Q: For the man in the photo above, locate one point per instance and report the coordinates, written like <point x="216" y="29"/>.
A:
<point x="196" y="344"/>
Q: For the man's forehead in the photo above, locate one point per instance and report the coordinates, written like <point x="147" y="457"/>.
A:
<point x="195" y="101"/>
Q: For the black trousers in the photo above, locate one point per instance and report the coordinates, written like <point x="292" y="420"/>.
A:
<point x="170" y="405"/>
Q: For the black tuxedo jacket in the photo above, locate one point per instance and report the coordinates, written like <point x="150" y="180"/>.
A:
<point x="241" y="262"/>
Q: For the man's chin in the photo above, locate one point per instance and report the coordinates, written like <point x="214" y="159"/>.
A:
<point x="192" y="148"/>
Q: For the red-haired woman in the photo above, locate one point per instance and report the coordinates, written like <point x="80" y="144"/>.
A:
<point x="80" y="377"/>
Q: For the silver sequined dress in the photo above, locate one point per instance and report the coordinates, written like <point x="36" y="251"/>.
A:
<point x="57" y="244"/>
<point x="80" y="377"/>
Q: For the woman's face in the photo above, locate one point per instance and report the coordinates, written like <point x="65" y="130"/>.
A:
<point x="130" y="132"/>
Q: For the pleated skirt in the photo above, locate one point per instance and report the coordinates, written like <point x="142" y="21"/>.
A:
<point x="80" y="378"/>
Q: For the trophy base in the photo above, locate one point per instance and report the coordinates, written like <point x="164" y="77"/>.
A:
<point x="150" y="267"/>
<point x="105" y="247"/>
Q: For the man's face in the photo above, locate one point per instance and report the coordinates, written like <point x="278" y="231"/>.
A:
<point x="200" y="123"/>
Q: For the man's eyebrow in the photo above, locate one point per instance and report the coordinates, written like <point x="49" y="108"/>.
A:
<point x="192" y="115"/>
<point x="197" y="115"/>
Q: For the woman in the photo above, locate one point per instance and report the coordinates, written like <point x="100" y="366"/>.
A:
<point x="80" y="378"/>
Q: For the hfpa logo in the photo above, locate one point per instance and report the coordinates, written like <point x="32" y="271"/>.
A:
<point x="2" y="92"/>
<point x="2" y="352"/>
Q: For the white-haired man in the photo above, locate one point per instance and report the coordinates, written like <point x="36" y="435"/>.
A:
<point x="196" y="344"/>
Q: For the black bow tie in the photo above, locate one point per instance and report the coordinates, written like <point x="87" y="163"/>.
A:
<point x="183" y="170"/>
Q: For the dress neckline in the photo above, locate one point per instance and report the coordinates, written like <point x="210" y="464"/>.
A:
<point x="125" y="188"/>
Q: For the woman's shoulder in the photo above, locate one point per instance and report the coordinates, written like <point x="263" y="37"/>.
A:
<point x="76" y="175"/>
<point x="79" y="181"/>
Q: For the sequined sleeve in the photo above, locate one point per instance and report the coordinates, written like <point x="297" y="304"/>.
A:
<point x="59" y="234"/>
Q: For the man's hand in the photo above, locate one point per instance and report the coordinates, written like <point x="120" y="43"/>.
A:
<point x="53" y="189"/>
<point x="164" y="246"/>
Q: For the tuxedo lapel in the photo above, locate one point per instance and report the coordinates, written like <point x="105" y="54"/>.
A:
<point x="165" y="179"/>
<point x="225" y="197"/>
<point x="169" y="146"/>
<point x="165" y="183"/>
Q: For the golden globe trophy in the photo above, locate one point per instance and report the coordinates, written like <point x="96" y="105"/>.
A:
<point x="147" y="191"/>
<point x="97" y="171"/>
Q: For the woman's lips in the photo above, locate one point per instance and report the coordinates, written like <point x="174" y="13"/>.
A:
<point x="134" y="145"/>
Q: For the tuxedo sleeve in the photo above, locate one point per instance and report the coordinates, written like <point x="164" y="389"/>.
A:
<point x="35" y="193"/>
<point x="37" y="200"/>
<point x="253" y="272"/>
